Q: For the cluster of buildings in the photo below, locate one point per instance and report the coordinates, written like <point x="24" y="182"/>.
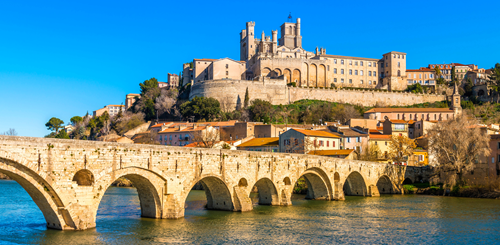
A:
<point x="263" y="56"/>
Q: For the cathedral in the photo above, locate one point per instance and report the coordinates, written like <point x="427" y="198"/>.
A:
<point x="268" y="57"/>
<point x="284" y="57"/>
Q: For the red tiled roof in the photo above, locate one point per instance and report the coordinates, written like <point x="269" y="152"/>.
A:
<point x="271" y="141"/>
<point x="408" y="110"/>
<point x="380" y="136"/>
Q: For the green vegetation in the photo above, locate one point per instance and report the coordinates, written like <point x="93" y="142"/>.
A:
<point x="54" y="124"/>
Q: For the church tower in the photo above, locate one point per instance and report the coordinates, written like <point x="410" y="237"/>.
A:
<point x="247" y="42"/>
<point x="455" y="101"/>
<point x="290" y="34"/>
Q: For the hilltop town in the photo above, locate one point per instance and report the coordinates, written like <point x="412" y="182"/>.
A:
<point x="280" y="97"/>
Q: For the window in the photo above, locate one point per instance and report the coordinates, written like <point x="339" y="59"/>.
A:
<point x="350" y="72"/>
<point x="361" y="63"/>
<point x="386" y="64"/>
<point x="374" y="64"/>
<point x="350" y="80"/>
<point x="361" y="72"/>
<point x="341" y="71"/>
<point x="358" y="139"/>
<point x="369" y="64"/>
<point x="227" y="73"/>
<point x="369" y="73"/>
<point x="386" y="144"/>
<point x="355" y="72"/>
<point x="227" y="66"/>
<point x="170" y="137"/>
<point x="350" y="62"/>
<point x="328" y="67"/>
<point x="376" y="142"/>
<point x="348" y="140"/>
<point x="335" y="80"/>
<point x="334" y="70"/>
<point x="399" y="64"/>
<point x="342" y="80"/>
<point x="333" y="143"/>
<point x="335" y="61"/>
<point x="355" y="63"/>
<point x="321" y="143"/>
<point x="374" y="73"/>
<point x="361" y="81"/>
<point x="341" y="62"/>
<point x="370" y="82"/>
<point x="327" y="143"/>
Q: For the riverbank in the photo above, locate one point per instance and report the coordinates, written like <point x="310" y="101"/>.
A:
<point x="457" y="191"/>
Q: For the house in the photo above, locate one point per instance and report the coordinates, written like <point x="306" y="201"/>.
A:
<point x="302" y="141"/>
<point x="396" y="127"/>
<point x="421" y="127"/>
<point x="243" y="130"/>
<point x="427" y="114"/>
<point x="270" y="144"/>
<point x="186" y="135"/>
<point x="420" y="157"/>
<point x="362" y="123"/>
<point x="380" y="143"/>
<point x="344" y="154"/>
<point x="350" y="138"/>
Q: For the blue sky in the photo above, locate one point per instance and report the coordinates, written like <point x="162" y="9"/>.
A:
<point x="66" y="58"/>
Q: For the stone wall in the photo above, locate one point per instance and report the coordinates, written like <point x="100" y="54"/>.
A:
<point x="275" y="91"/>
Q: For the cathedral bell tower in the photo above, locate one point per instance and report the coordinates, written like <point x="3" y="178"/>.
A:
<point x="290" y="34"/>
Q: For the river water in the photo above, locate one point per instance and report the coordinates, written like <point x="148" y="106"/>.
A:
<point x="382" y="220"/>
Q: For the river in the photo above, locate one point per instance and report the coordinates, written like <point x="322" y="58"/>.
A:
<point x="386" y="219"/>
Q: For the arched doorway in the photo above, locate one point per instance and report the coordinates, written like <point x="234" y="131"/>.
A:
<point x="355" y="185"/>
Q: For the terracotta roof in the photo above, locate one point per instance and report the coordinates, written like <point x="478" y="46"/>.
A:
<point x="331" y="152"/>
<point x="316" y="133"/>
<point x="271" y="141"/>
<point x="374" y="131"/>
<point x="380" y="136"/>
<point x="409" y="110"/>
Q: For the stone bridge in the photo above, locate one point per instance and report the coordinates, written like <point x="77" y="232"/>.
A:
<point x="68" y="178"/>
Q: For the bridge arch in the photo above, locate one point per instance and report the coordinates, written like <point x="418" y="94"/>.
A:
<point x="149" y="185"/>
<point x="84" y="177"/>
<point x="385" y="185"/>
<point x="318" y="184"/>
<point x="41" y="192"/>
<point x="355" y="185"/>
<point x="268" y="194"/>
<point x="217" y="193"/>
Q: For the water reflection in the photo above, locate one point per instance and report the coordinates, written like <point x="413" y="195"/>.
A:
<point x="385" y="219"/>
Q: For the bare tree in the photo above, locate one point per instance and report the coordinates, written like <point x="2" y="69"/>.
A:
<point x="206" y="138"/>
<point x="150" y="137"/>
<point x="295" y="145"/>
<point x="458" y="145"/>
<point x="166" y="101"/>
<point x="401" y="148"/>
<point x="225" y="104"/>
<point x="10" y="132"/>
<point x="373" y="153"/>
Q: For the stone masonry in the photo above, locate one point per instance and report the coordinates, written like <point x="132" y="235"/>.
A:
<point x="68" y="178"/>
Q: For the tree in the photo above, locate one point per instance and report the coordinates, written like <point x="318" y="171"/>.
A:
<point x="494" y="79"/>
<point x="166" y="101"/>
<point x="415" y="88"/>
<point x="373" y="153"/>
<point x="148" y="85"/>
<point x="62" y="135"/>
<point x="225" y="104"/>
<point x="201" y="108"/>
<point x="206" y="138"/>
<point x="343" y="113"/>
<point x="468" y="87"/>
<point x="10" y="132"/>
<point x="453" y="76"/>
<point x="260" y="110"/>
<point x="401" y="148"/>
<point x="458" y="145"/>
<point x="75" y="120"/>
<point x="54" y="124"/>
<point x="247" y="99"/>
